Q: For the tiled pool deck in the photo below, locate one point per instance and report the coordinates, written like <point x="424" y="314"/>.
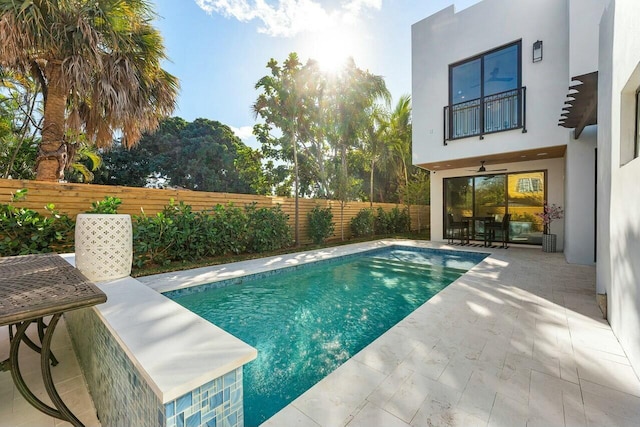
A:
<point x="518" y="340"/>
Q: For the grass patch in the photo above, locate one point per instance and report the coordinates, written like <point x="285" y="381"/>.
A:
<point x="148" y="270"/>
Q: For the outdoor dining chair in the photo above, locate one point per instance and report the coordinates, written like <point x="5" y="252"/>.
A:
<point x="502" y="227"/>
<point x="462" y="228"/>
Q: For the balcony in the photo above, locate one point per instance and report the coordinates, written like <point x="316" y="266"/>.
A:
<point x="489" y="114"/>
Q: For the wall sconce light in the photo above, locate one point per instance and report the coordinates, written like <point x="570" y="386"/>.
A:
<point x="537" y="51"/>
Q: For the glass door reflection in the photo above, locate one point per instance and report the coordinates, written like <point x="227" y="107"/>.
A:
<point x="520" y="194"/>
<point x="489" y="201"/>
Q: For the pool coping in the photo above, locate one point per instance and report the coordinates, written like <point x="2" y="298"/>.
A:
<point x="179" y="280"/>
<point x="155" y="332"/>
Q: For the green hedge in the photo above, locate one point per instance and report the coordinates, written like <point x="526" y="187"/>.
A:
<point x="179" y="234"/>
<point x="25" y="231"/>
<point x="175" y="234"/>
<point x="365" y="223"/>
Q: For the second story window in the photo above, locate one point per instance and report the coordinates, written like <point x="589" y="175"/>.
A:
<point x="485" y="93"/>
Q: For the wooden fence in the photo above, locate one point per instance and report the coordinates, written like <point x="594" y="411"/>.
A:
<point x="77" y="198"/>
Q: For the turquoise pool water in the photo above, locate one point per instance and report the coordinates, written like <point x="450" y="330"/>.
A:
<point x="307" y="322"/>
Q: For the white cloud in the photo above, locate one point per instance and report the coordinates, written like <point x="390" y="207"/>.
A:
<point x="245" y="133"/>
<point x="287" y="18"/>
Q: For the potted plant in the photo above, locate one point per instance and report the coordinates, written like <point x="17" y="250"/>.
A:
<point x="104" y="243"/>
<point x="548" y="215"/>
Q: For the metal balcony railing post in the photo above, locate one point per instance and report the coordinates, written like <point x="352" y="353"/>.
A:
<point x="524" y="109"/>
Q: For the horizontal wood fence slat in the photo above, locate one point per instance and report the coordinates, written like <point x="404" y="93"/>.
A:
<point x="73" y="199"/>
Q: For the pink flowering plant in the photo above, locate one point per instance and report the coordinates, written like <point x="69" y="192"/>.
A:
<point x="549" y="214"/>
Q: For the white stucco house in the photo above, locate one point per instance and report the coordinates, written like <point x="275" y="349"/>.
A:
<point x="521" y="103"/>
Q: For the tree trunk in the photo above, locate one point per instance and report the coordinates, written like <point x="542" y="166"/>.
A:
<point x="342" y="203"/>
<point x="297" y="180"/>
<point x="52" y="157"/>
<point x="345" y="185"/>
<point x="373" y="163"/>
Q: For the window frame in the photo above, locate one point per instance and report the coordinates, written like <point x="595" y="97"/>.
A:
<point x="544" y="188"/>
<point x="518" y="88"/>
<point x="636" y="137"/>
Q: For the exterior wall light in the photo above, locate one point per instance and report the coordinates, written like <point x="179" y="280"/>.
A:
<point x="537" y="51"/>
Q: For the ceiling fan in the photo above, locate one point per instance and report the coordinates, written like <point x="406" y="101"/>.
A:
<point x="483" y="169"/>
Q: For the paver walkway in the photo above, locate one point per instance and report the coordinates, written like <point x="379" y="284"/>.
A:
<point x="15" y="411"/>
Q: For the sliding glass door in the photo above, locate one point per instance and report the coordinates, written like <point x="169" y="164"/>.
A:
<point x="520" y="194"/>
<point x="526" y="196"/>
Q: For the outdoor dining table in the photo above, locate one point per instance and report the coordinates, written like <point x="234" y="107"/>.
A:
<point x="487" y="220"/>
<point x="33" y="287"/>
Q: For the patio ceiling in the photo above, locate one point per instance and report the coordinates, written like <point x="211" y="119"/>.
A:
<point x="581" y="107"/>
<point x="500" y="158"/>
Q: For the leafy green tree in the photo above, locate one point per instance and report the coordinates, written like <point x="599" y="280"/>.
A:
<point x="121" y="166"/>
<point x="284" y="104"/>
<point x="20" y="122"/>
<point x="201" y="155"/>
<point x="98" y="67"/>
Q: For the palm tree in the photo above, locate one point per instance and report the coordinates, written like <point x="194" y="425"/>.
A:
<point x="375" y="143"/>
<point x="98" y="66"/>
<point x="353" y="92"/>
<point x="284" y="104"/>
<point x="400" y="142"/>
<point x="399" y="136"/>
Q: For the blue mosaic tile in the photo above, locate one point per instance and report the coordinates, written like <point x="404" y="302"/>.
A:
<point x="230" y="378"/>
<point x="193" y="420"/>
<point x="216" y="400"/>
<point x="227" y="394"/>
<point x="120" y="393"/>
<point x="208" y="416"/>
<point x="180" y="420"/>
<point x="183" y="402"/>
<point x="233" y="419"/>
<point x="208" y="386"/>
<point x="170" y="409"/>
<point x="211" y="423"/>
<point x="236" y="396"/>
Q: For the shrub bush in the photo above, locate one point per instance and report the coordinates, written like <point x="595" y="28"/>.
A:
<point x="362" y="224"/>
<point x="25" y="231"/>
<point x="109" y="205"/>
<point x="394" y="221"/>
<point x="382" y="222"/>
<point x="179" y="234"/>
<point x="225" y="230"/>
<point x="163" y="237"/>
<point x="268" y="229"/>
<point x="321" y="225"/>
<point x="399" y="220"/>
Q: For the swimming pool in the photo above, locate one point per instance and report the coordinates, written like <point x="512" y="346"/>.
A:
<point x="307" y="321"/>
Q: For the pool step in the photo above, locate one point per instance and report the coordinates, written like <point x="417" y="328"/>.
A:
<point x="414" y="269"/>
<point x="416" y="264"/>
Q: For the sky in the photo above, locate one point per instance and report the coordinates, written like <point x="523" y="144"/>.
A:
<point x="219" y="49"/>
